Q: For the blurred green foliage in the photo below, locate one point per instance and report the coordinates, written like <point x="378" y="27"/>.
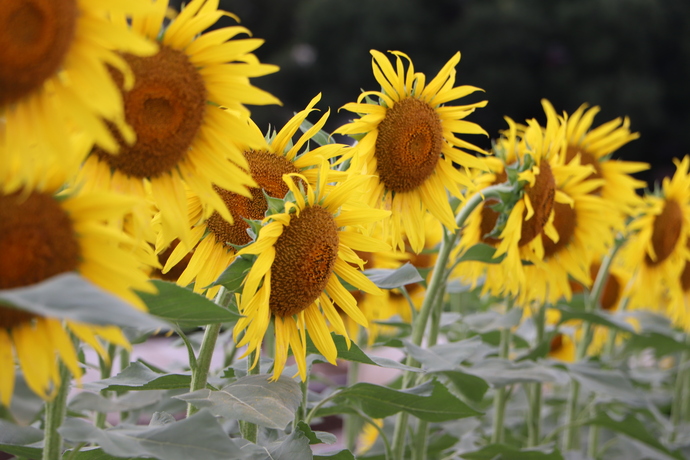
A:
<point x="631" y="57"/>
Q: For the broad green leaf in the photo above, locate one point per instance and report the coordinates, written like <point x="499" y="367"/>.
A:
<point x="354" y="353"/>
<point x="140" y="377"/>
<point x="445" y="360"/>
<point x="234" y="275"/>
<point x="180" y="305"/>
<point x="430" y="401"/>
<point x="16" y="440"/>
<point x="337" y="455"/>
<point x="88" y="401"/>
<point x="94" y="453"/>
<point x="253" y="399"/>
<point x="606" y="381"/>
<point x="394" y="278"/>
<point x="596" y="317"/>
<point x="631" y="426"/>
<point x="480" y="252"/>
<point x="72" y="297"/>
<point x="500" y="372"/>
<point x="507" y="452"/>
<point x="662" y="344"/>
<point x="492" y="320"/>
<point x="199" y="436"/>
<point x="316" y="437"/>
<point x="292" y="447"/>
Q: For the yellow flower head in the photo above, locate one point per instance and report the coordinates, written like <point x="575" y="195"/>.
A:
<point x="656" y="251"/>
<point x="407" y="143"/>
<point x="186" y="109"/>
<point x="54" y="80"/>
<point x="302" y="254"/>
<point x="213" y="237"/>
<point x="42" y="236"/>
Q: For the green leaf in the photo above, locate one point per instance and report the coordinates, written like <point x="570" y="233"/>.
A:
<point x="253" y="399"/>
<point x="337" y="455"/>
<point x="430" y="401"/>
<point x="234" y="275"/>
<point x="292" y="447"/>
<point x="16" y="439"/>
<point x="662" y="344"/>
<point x="596" y="317"/>
<point x="631" y="426"/>
<point x="183" y="306"/>
<point x="316" y="437"/>
<point x="93" y="453"/>
<point x="606" y="381"/>
<point x="139" y="377"/>
<point x="480" y="252"/>
<point x="488" y="321"/>
<point x="445" y="360"/>
<point x="394" y="278"/>
<point x="199" y="436"/>
<point x="500" y="372"/>
<point x="506" y="452"/>
<point x="354" y="353"/>
<point x="72" y="297"/>
<point x="88" y="401"/>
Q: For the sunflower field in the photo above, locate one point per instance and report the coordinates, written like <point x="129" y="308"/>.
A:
<point x="177" y="282"/>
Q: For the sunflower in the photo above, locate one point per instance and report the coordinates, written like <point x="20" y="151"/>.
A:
<point x="656" y="251"/>
<point x="562" y="347"/>
<point x="583" y="228"/>
<point x="43" y="235"/>
<point x="537" y="152"/>
<point x="213" y="237"/>
<point x="186" y="108"/>
<point x="296" y="277"/>
<point x="595" y="147"/>
<point x="407" y="143"/>
<point x="54" y="79"/>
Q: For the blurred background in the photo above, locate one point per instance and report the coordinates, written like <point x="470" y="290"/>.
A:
<point x="631" y="57"/>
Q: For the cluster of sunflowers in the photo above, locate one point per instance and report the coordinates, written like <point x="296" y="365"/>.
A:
<point x="127" y="153"/>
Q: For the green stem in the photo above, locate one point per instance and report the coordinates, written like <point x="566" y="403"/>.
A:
<point x="203" y="362"/>
<point x="498" y="432"/>
<point x="352" y="423"/>
<point x="535" y="389"/>
<point x="320" y="404"/>
<point x="438" y="277"/>
<point x="420" y="448"/>
<point x="55" y="414"/>
<point x="250" y="431"/>
<point x="106" y="370"/>
<point x="593" y="442"/>
<point x="591" y="302"/>
<point x="678" y="406"/>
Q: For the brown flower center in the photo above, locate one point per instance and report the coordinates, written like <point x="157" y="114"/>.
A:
<point x="408" y="145"/>
<point x="685" y="278"/>
<point x="305" y="255"/>
<point x="565" y="220"/>
<point x="556" y="343"/>
<point x="166" y="110"/>
<point x="541" y="195"/>
<point x="37" y="241"/>
<point x="666" y="232"/>
<point x="612" y="289"/>
<point x="267" y="170"/>
<point x="35" y="36"/>
<point x="176" y="271"/>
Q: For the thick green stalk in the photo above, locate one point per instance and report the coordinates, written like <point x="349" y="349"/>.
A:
<point x="250" y="430"/>
<point x="55" y="414"/>
<point x="438" y="277"/>
<point x="535" y="389"/>
<point x="497" y="434"/>
<point x="571" y="440"/>
<point x="679" y="396"/>
<point x="203" y="362"/>
<point x="420" y="447"/>
<point x="352" y="423"/>
<point x="106" y="370"/>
